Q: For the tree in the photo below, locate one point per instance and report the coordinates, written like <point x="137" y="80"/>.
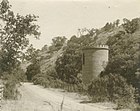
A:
<point x="45" y="48"/>
<point x="32" y="70"/>
<point x="131" y="26"/>
<point x="114" y="88"/>
<point x="107" y="26"/>
<point x="57" y="43"/>
<point x="69" y="65"/>
<point x="31" y="54"/>
<point x="117" y="22"/>
<point x="124" y="55"/>
<point x="85" y="31"/>
<point x="13" y="35"/>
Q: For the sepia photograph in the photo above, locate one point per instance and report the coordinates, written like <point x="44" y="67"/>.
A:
<point x="69" y="55"/>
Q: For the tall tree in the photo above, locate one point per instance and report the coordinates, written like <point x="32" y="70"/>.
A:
<point x="69" y="65"/>
<point x="57" y="43"/>
<point x="13" y="35"/>
<point x="31" y="54"/>
<point x="131" y="26"/>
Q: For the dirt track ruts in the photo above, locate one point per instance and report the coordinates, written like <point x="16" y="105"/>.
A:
<point x="37" y="98"/>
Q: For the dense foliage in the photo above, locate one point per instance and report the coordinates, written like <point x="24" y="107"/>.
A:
<point x="31" y="54"/>
<point x="13" y="35"/>
<point x="32" y="70"/>
<point x="112" y="88"/>
<point x="12" y="81"/>
<point x="13" y="39"/>
<point x="69" y="65"/>
<point x="131" y="26"/>
<point x="124" y="56"/>
<point x="57" y="43"/>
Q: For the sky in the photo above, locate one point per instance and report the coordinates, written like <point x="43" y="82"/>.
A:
<point x="65" y="17"/>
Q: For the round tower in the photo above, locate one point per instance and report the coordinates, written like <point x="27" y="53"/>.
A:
<point x="94" y="59"/>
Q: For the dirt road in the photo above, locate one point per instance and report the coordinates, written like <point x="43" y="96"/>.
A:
<point x="37" y="98"/>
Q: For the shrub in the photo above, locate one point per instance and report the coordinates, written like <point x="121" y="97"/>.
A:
<point x="130" y="26"/>
<point x="137" y="108"/>
<point x="11" y="87"/>
<point x="41" y="80"/>
<point x="32" y="70"/>
<point x="11" y="82"/>
<point x="98" y="90"/>
<point x="47" y="80"/>
<point x="114" y="88"/>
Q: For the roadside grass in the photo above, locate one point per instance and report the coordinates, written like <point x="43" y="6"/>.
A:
<point x="22" y="105"/>
<point x="17" y="105"/>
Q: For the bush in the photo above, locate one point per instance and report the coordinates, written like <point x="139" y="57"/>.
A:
<point x="137" y="108"/>
<point x="11" y="87"/>
<point x="32" y="70"/>
<point x="47" y="80"/>
<point x="131" y="26"/>
<point x="114" y="88"/>
<point x="12" y="82"/>
<point x="41" y="80"/>
<point x="98" y="90"/>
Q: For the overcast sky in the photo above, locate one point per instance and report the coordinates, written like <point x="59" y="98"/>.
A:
<point x="63" y="18"/>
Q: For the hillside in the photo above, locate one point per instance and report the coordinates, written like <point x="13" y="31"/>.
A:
<point x="48" y="59"/>
<point x="102" y="38"/>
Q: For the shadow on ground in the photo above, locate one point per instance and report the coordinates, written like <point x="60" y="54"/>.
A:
<point x="85" y="102"/>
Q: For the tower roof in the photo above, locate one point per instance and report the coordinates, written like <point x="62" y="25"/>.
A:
<point x="105" y="47"/>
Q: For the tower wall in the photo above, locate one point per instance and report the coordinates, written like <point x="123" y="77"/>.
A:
<point x="94" y="61"/>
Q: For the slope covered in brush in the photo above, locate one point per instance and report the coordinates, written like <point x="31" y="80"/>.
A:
<point x="49" y="54"/>
<point x="123" y="41"/>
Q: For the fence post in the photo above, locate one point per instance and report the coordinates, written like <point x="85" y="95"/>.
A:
<point x="1" y="93"/>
